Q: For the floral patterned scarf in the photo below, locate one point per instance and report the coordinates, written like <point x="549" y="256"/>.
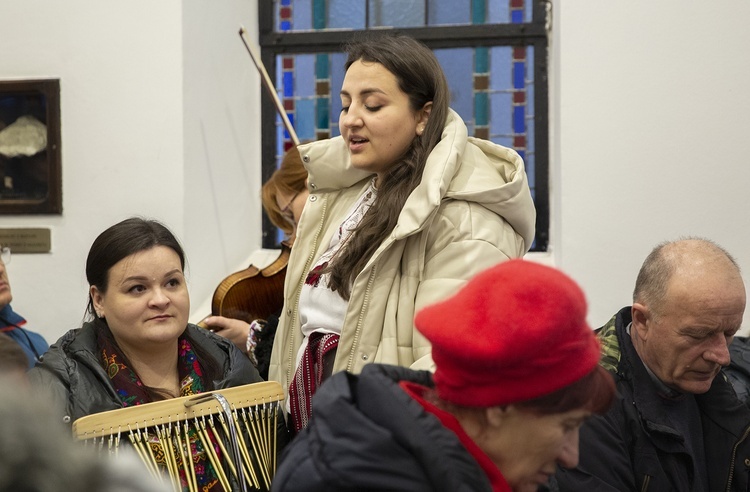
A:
<point x="131" y="391"/>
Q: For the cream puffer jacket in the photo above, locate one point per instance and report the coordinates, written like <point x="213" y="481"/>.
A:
<point x="473" y="209"/>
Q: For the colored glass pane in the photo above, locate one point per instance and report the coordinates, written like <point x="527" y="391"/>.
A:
<point x="346" y="14"/>
<point x="396" y="13"/>
<point x="440" y="12"/>
<point x="361" y="14"/>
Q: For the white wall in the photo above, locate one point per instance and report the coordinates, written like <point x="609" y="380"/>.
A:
<point x="152" y="125"/>
<point x="222" y="209"/>
<point x="160" y="118"/>
<point x="651" y="116"/>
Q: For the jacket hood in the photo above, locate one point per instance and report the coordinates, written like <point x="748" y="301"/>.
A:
<point x="459" y="167"/>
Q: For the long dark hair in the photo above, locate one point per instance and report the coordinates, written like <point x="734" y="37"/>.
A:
<point x="118" y="242"/>
<point x="421" y="78"/>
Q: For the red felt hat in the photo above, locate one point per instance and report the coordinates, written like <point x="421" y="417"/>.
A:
<point x="515" y="332"/>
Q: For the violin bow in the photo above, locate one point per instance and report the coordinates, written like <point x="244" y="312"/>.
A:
<point x="269" y="85"/>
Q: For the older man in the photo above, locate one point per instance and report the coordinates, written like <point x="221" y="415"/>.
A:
<point x="677" y="424"/>
<point x="11" y="323"/>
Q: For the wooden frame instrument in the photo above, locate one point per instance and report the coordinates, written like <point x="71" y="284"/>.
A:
<point x="240" y="421"/>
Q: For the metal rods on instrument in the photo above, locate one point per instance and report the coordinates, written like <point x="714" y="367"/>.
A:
<point x="228" y="434"/>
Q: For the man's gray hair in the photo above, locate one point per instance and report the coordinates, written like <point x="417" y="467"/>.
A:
<point x="659" y="266"/>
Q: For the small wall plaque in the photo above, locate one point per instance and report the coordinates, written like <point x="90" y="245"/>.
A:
<point x="26" y="240"/>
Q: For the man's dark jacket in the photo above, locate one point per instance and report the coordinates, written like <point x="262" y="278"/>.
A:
<point x="368" y="434"/>
<point x="634" y="447"/>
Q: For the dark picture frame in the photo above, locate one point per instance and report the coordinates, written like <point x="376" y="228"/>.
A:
<point x="30" y="154"/>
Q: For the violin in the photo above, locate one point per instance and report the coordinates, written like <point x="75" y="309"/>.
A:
<point x="252" y="293"/>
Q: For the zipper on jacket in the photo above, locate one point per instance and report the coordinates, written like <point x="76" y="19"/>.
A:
<point x="361" y="318"/>
<point x="295" y="315"/>
<point x="734" y="458"/>
<point x="646" y="481"/>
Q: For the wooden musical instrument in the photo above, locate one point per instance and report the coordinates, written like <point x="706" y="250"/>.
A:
<point x="240" y="421"/>
<point x="253" y="293"/>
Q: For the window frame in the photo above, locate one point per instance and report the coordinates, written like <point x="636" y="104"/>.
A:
<point x="533" y="33"/>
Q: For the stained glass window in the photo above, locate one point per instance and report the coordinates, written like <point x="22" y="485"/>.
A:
<point x="493" y="53"/>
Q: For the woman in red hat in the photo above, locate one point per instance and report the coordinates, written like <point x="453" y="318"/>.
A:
<point x="517" y="374"/>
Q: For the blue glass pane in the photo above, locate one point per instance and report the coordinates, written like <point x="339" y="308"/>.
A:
<point x="441" y="12"/>
<point x="305" y="125"/>
<point x="528" y="158"/>
<point x="498" y="12"/>
<point x="346" y="14"/>
<point x="501" y="59"/>
<point x="530" y="80"/>
<point x="337" y="60"/>
<point x="517" y="16"/>
<point x="501" y="101"/>
<point x="279" y="78"/>
<point x="501" y="107"/>
<point x="288" y="83"/>
<point x="397" y="13"/>
<point x="519" y="119"/>
<point x="302" y="15"/>
<point x="304" y="75"/>
<point x="457" y="64"/>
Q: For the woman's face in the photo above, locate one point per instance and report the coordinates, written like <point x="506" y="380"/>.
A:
<point x="146" y="303"/>
<point x="526" y="446"/>
<point x="291" y="205"/>
<point x="377" y="121"/>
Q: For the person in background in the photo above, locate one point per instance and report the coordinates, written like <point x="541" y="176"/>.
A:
<point x="738" y="371"/>
<point x="677" y="423"/>
<point x="38" y="454"/>
<point x="285" y="193"/>
<point x="137" y="345"/>
<point x="13" y="360"/>
<point x="516" y="375"/>
<point x="404" y="208"/>
<point x="11" y="323"/>
<point x="283" y="197"/>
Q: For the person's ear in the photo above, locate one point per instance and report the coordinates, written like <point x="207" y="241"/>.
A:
<point x="641" y="315"/>
<point x="496" y="416"/>
<point x="423" y="117"/>
<point x="96" y="299"/>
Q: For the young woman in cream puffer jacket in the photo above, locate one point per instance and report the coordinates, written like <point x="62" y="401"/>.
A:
<point x="472" y="209"/>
